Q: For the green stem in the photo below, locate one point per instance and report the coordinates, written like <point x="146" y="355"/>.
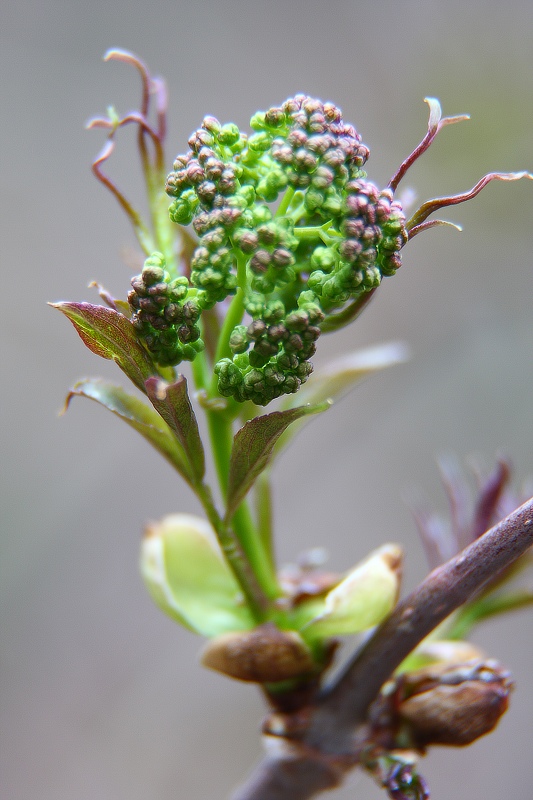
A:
<point x="335" y="321"/>
<point x="233" y="318"/>
<point x="253" y="546"/>
<point x="285" y="202"/>
<point x="221" y="436"/>
<point x="200" y="371"/>
<point x="239" y="542"/>
<point x="236" y="558"/>
<point x="263" y="497"/>
<point x="317" y="233"/>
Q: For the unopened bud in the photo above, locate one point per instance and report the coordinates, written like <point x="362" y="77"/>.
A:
<point x="263" y="655"/>
<point x="454" y="705"/>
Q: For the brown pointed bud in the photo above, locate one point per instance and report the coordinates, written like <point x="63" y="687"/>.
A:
<point x="263" y="655"/>
<point x="454" y="705"/>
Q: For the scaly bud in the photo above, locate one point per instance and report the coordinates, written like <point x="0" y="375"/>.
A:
<point x="454" y="705"/>
<point x="263" y="655"/>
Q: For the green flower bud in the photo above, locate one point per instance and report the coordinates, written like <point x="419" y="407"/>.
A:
<point x="229" y="135"/>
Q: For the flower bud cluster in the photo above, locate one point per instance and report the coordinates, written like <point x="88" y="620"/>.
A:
<point x="332" y="239"/>
<point x="163" y="315"/>
<point x="278" y="361"/>
<point x="373" y="232"/>
<point x="208" y="192"/>
<point x="316" y="151"/>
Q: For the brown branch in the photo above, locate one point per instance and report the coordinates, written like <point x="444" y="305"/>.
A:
<point x="289" y="778"/>
<point x="327" y="745"/>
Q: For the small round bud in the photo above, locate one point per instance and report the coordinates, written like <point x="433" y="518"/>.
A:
<point x="211" y="124"/>
<point x="238" y="340"/>
<point x="152" y="274"/>
<point x="229" y="134"/>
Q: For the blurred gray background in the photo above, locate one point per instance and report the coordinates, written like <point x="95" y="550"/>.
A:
<point x="102" y="696"/>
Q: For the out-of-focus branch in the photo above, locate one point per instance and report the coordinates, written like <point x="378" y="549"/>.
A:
<point x="315" y="752"/>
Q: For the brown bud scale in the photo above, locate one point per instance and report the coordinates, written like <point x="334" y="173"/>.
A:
<point x="263" y="655"/>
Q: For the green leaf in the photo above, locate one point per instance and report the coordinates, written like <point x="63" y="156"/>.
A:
<point x="186" y="574"/>
<point x="252" y="449"/>
<point x="139" y="416"/>
<point x="109" y="334"/>
<point x="363" y="599"/>
<point x="343" y="373"/>
<point x="172" y="402"/>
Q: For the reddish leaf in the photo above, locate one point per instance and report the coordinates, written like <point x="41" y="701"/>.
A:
<point x="172" y="402"/>
<point x="139" y="416"/>
<point x="111" y="335"/>
<point x="252" y="449"/>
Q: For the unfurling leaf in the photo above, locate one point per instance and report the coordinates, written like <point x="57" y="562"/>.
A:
<point x="186" y="574"/>
<point x="252" y="449"/>
<point x="139" y="416"/>
<point x="172" y="402"/>
<point x="362" y="600"/>
<point x="109" y="334"/>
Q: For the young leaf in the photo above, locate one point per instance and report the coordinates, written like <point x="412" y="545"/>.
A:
<point x="111" y="335"/>
<point x="141" y="417"/>
<point x="172" y="402"/>
<point x="252" y="449"/>
<point x="186" y="574"/>
<point x="363" y="599"/>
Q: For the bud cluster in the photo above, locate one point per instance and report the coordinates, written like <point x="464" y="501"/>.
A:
<point x="332" y="238"/>
<point x="278" y="362"/>
<point x="315" y="149"/>
<point x="373" y="233"/>
<point x="207" y="190"/>
<point x="163" y="315"/>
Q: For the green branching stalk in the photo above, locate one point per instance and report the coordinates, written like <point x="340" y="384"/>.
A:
<point x="334" y="322"/>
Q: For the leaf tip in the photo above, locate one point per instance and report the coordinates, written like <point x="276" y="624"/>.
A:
<point x="63" y="410"/>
